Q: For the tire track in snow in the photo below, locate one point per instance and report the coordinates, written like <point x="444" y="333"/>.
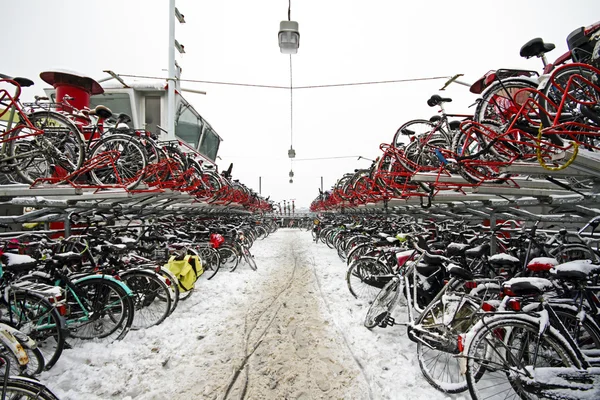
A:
<point x="258" y="342"/>
<point x="290" y="352"/>
<point x="340" y="331"/>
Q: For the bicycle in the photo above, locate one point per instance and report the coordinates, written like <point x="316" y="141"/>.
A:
<point x="18" y="387"/>
<point x="39" y="144"/>
<point x="531" y="354"/>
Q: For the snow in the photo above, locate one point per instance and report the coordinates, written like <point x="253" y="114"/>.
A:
<point x="540" y="283"/>
<point x="17" y="259"/>
<point x="583" y="266"/>
<point x="543" y="261"/>
<point x="503" y="257"/>
<point x="290" y="330"/>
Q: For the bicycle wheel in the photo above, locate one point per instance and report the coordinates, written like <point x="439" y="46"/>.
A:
<point x="502" y="100"/>
<point x="56" y="153"/>
<point x="364" y="278"/>
<point x="229" y="257"/>
<point x="33" y="315"/>
<point x="151" y="297"/>
<point x="445" y="320"/>
<point x="573" y="252"/>
<point x="504" y="349"/>
<point x="470" y="141"/>
<point x="248" y="257"/>
<point x="423" y="156"/>
<point x="384" y="303"/>
<point x="211" y="260"/>
<point x="33" y="367"/>
<point x="171" y="281"/>
<point x="26" y="389"/>
<point x="416" y="127"/>
<point x="119" y="160"/>
<point x="577" y="92"/>
<point x="100" y="309"/>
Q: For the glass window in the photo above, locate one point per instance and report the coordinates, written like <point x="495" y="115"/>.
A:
<point x="210" y="144"/>
<point x="119" y="103"/>
<point x="188" y="126"/>
<point x="152" y="117"/>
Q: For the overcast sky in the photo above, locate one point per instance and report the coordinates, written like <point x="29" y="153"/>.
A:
<point x="341" y="41"/>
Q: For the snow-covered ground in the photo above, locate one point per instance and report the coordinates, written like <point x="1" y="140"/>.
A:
<point x="290" y="330"/>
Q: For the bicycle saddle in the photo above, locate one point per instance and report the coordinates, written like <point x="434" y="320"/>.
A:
<point x="23" y="82"/>
<point x="528" y="286"/>
<point x="101" y="112"/>
<point x="536" y="48"/>
<point x="436" y="99"/>
<point x="123" y="118"/>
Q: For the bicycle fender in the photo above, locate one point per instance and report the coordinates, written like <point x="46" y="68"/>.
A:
<point x="106" y="277"/>
<point x="23" y="339"/>
<point x="11" y="342"/>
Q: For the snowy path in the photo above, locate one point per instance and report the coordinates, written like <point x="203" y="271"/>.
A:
<point x="289" y="330"/>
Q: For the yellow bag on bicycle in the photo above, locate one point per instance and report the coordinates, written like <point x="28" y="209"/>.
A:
<point x="184" y="271"/>
<point x="196" y="265"/>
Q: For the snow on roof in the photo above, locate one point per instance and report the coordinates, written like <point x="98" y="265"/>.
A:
<point x="137" y="83"/>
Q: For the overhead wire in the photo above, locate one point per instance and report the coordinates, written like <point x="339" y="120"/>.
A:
<point x="291" y="87"/>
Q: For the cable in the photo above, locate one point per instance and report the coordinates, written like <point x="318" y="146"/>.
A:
<point x="324" y="158"/>
<point x="288" y="87"/>
<point x="291" y="108"/>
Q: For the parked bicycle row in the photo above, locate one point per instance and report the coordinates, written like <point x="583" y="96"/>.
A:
<point x="50" y="143"/>
<point x="521" y="118"/>
<point x="504" y="312"/>
<point x="111" y="277"/>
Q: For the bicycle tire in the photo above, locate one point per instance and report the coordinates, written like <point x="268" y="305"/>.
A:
<point x="384" y="303"/>
<point x="498" y="102"/>
<point x="55" y="154"/>
<point x="578" y="92"/>
<point x="249" y="258"/>
<point x="440" y="367"/>
<point x="362" y="278"/>
<point x="470" y="142"/>
<point x="26" y="389"/>
<point x="151" y="297"/>
<point x="171" y="280"/>
<point x="34" y="367"/>
<point x="211" y="261"/>
<point x="110" y="306"/>
<point x="127" y="169"/>
<point x="415" y="127"/>
<point x="490" y="373"/>
<point x="424" y="158"/>
<point x="33" y="315"/>
<point x="229" y="257"/>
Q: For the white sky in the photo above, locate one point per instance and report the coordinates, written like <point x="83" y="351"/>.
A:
<point x="342" y="41"/>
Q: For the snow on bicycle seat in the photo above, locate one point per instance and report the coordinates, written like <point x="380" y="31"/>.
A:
<point x="459" y="272"/>
<point x="576" y="270"/>
<point x="528" y="286"/>
<point x="504" y="259"/>
<point x="542" y="264"/>
<point x="18" y="262"/>
<point x="456" y="249"/>
<point x="67" y="256"/>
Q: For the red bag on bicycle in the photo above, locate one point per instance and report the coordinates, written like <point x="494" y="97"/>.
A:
<point x="216" y="240"/>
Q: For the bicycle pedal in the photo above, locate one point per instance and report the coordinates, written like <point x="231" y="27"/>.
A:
<point x="387" y="321"/>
